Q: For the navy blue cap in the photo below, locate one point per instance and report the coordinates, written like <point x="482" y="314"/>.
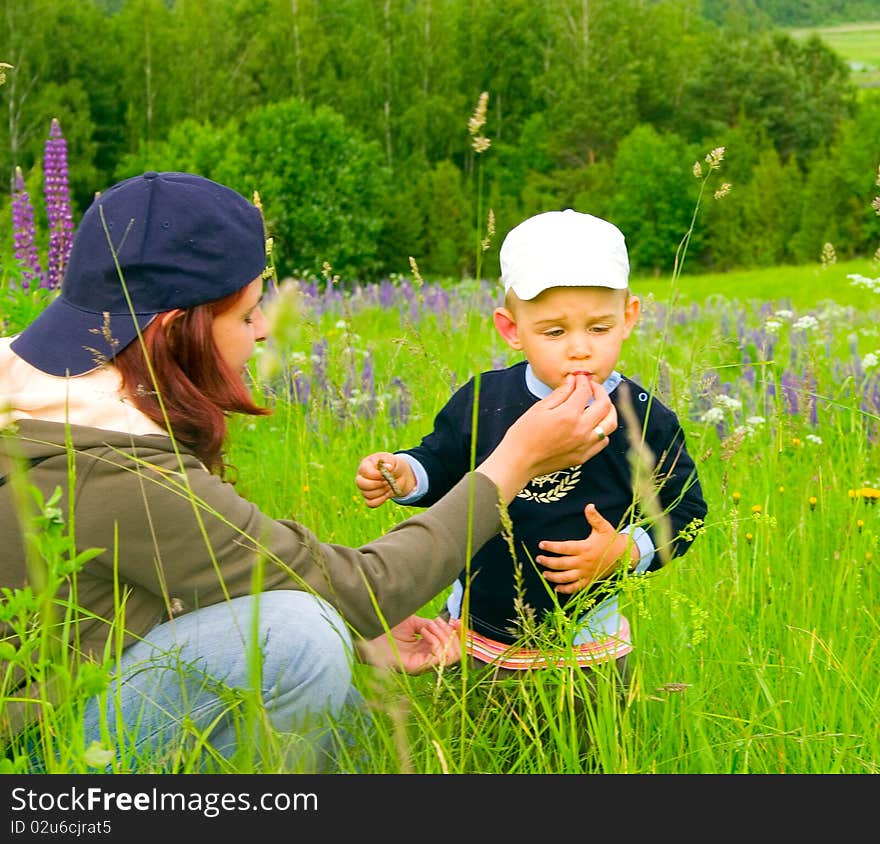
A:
<point x="179" y="239"/>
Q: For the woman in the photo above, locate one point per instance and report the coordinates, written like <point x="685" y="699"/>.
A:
<point x="123" y="384"/>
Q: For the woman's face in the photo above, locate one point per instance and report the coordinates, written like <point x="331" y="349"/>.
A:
<point x="238" y="330"/>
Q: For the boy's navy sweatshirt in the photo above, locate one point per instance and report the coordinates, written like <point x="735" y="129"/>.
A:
<point x="551" y="507"/>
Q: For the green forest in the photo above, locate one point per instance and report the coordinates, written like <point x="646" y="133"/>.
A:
<point x="376" y="131"/>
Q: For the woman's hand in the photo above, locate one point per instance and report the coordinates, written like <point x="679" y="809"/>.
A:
<point x="555" y="433"/>
<point x="415" y="645"/>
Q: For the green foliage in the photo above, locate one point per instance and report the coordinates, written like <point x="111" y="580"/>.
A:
<point x="567" y="81"/>
<point x="287" y="152"/>
<point x="449" y="222"/>
<point x="321" y="184"/>
<point x="754" y="224"/>
<point x="807" y="12"/>
<point x="653" y="205"/>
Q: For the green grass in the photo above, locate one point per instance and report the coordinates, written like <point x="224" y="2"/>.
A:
<point x="798" y="286"/>
<point x="857" y="43"/>
<point x="756" y="652"/>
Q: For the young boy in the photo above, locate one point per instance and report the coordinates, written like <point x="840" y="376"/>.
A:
<point x="568" y="309"/>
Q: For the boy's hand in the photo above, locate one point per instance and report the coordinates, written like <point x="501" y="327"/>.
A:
<point x="581" y="562"/>
<point x="377" y="482"/>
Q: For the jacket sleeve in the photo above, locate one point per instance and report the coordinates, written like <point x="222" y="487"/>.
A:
<point x="190" y="537"/>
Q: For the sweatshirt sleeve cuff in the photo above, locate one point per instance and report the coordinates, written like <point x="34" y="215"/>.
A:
<point x="642" y="539"/>
<point x="421" y="481"/>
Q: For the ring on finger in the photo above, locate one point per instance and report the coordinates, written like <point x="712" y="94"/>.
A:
<point x="599" y="431"/>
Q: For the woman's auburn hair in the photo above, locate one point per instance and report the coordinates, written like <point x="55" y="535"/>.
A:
<point x="198" y="388"/>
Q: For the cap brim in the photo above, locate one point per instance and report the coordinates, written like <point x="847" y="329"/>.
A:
<point x="64" y="340"/>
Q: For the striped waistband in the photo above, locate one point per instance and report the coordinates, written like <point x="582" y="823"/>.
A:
<point x="523" y="659"/>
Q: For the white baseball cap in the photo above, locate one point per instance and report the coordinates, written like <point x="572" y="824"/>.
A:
<point x="563" y="249"/>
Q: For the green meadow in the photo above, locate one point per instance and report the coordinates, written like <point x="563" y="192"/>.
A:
<point x="755" y="653"/>
<point x="857" y="43"/>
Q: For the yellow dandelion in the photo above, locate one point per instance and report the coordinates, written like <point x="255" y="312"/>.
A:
<point x="868" y="493"/>
<point x="851" y="493"/>
<point x="860" y="524"/>
<point x="306" y="488"/>
<point x="749" y="538"/>
<point x="868" y="556"/>
<point x="756" y="508"/>
<point x="781" y="490"/>
<point x="796" y="441"/>
<point x="813" y="502"/>
<point x="736" y="497"/>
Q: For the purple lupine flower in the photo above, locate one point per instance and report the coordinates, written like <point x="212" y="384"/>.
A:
<point x="399" y="406"/>
<point x="813" y="400"/>
<point x="368" y="385"/>
<point x="438" y="300"/>
<point x="748" y="370"/>
<point x="386" y="293"/>
<point x="319" y="365"/>
<point x="789" y="385"/>
<point x="58" y="210"/>
<point x="301" y="387"/>
<point x="23" y="234"/>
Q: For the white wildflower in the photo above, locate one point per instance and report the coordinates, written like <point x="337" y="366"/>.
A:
<point x="712" y="416"/>
<point x="341" y="324"/>
<point x="785" y="314"/>
<point x="870" y="360"/>
<point x="756" y="421"/>
<point x="873" y="284"/>
<point x="728" y="403"/>
<point x="813" y="439"/>
<point x="805" y="323"/>
<point x="772" y="326"/>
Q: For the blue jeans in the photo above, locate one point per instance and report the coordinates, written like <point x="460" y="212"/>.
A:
<point x="189" y="679"/>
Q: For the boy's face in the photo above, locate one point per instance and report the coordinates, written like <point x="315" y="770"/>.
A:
<point x="569" y="329"/>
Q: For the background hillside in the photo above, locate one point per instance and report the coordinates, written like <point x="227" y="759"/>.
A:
<point x="350" y="118"/>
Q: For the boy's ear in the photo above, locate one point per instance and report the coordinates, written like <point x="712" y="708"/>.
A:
<point x="631" y="312"/>
<point x="505" y="323"/>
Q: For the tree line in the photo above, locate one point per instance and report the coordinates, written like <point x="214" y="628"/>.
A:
<point x="350" y="119"/>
